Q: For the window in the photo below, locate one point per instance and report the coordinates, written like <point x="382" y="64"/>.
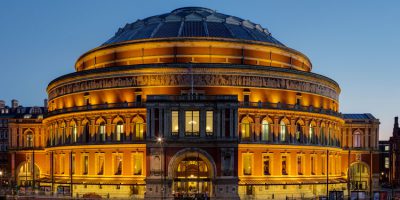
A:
<point x="387" y="163"/>
<point x="245" y="126"/>
<point x="284" y="165"/>
<point x="85" y="165"/>
<point x="357" y="139"/>
<point x="247" y="163"/>
<point x="73" y="164"/>
<point x="265" y="130"/>
<point x="283" y="131"/>
<point x="102" y="132"/>
<point x="119" y="130"/>
<point x="137" y="163"/>
<point x="29" y="140"/>
<point x="267" y="165"/>
<point x="117" y="164"/>
<point x="86" y="132"/>
<point x="62" y="164"/>
<point x="299" y="132"/>
<point x="312" y="165"/>
<point x="74" y="132"/>
<point x="63" y="134"/>
<point x="175" y="122"/>
<point x="209" y="123"/>
<point x="100" y="164"/>
<point x="139" y="130"/>
<point x="192" y="123"/>
<point x="387" y="148"/>
<point x="322" y="134"/>
<point x="311" y="133"/>
<point x="300" y="165"/>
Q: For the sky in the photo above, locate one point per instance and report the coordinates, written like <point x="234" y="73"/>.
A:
<point x="356" y="42"/>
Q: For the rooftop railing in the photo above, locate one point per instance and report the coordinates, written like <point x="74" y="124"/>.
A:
<point x="172" y="98"/>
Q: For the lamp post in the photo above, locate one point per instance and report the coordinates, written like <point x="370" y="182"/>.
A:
<point x="160" y="140"/>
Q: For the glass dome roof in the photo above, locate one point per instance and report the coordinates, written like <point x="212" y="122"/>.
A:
<point x="193" y="22"/>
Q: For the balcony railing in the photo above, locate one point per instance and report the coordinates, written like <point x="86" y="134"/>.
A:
<point x="291" y="140"/>
<point x="98" y="107"/>
<point x="283" y="106"/>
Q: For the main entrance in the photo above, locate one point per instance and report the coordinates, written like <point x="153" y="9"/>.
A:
<point x="192" y="174"/>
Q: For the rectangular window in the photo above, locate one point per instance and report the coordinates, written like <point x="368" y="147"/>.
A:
<point x="387" y="163"/>
<point x="85" y="163"/>
<point x="73" y="164"/>
<point x="387" y="148"/>
<point x="119" y="131"/>
<point x="267" y="165"/>
<point x="312" y="165"/>
<point x="192" y="122"/>
<point x="137" y="163"/>
<point x="284" y="165"/>
<point x="117" y="164"/>
<point x="247" y="164"/>
<point x="100" y="164"/>
<point x="62" y="164"/>
<point x="175" y="122"/>
<point x="209" y="123"/>
<point x="300" y="165"/>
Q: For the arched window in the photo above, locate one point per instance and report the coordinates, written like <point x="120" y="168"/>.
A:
<point x="265" y="130"/>
<point x="138" y="127"/>
<point x="283" y="131"/>
<point x="74" y="132"/>
<point x="322" y="134"/>
<point x="63" y="133"/>
<point x="86" y="132"/>
<point x="119" y="130"/>
<point x="29" y="139"/>
<point x="245" y="128"/>
<point x="102" y="132"/>
<point x="299" y="132"/>
<point x="357" y="139"/>
<point x="311" y="133"/>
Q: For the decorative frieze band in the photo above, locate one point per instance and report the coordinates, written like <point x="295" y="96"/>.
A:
<point x="200" y="80"/>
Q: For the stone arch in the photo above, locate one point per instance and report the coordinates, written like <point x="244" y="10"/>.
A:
<point x="100" y="120"/>
<point x="118" y="119"/>
<point x="24" y="175"/>
<point x="180" y="155"/>
<point x="358" y="174"/>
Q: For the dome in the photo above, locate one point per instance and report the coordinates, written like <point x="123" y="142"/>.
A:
<point x="193" y="22"/>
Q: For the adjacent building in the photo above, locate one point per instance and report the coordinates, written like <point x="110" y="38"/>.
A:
<point x="194" y="102"/>
<point x="395" y="154"/>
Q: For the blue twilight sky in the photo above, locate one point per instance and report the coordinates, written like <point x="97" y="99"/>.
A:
<point x="354" y="42"/>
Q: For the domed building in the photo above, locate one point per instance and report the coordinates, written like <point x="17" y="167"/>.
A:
<point x="195" y="102"/>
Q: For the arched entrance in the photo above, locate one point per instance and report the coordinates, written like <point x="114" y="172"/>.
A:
<point x="26" y="174"/>
<point x="191" y="172"/>
<point x="359" y="177"/>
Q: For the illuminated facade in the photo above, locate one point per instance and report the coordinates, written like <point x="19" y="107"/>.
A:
<point x="196" y="101"/>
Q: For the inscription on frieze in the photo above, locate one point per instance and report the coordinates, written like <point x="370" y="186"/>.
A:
<point x="199" y="80"/>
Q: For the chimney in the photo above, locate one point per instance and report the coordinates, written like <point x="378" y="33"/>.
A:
<point x="2" y="104"/>
<point x="45" y="103"/>
<point x="14" y="103"/>
<point x="396" y="126"/>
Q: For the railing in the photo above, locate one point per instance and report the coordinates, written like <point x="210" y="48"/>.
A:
<point x="283" y="106"/>
<point x="95" y="141"/>
<point x="155" y="98"/>
<point x="291" y="140"/>
<point x="98" y="107"/>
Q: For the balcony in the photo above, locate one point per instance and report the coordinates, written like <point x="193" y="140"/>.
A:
<point x="97" y="107"/>
<point x="290" y="140"/>
<point x="291" y="107"/>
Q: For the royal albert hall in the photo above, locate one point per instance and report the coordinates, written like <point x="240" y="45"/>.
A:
<point x="195" y="102"/>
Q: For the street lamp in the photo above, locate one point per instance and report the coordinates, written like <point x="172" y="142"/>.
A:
<point x="160" y="140"/>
